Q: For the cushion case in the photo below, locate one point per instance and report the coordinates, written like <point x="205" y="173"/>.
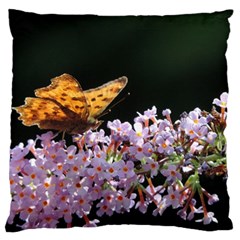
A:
<point x="158" y="157"/>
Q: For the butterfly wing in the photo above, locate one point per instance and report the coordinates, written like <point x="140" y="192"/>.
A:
<point x="67" y="91"/>
<point x="99" y="98"/>
<point x="64" y="106"/>
<point x="42" y="112"/>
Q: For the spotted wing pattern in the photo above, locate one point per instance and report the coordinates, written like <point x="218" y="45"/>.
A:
<point x="37" y="110"/>
<point x="99" y="98"/>
<point x="64" y="106"/>
<point x="66" y="90"/>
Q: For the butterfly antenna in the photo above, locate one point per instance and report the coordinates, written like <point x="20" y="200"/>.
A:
<point x="105" y="113"/>
<point x="115" y="104"/>
<point x="122" y="99"/>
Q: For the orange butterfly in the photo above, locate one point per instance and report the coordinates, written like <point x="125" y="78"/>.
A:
<point x="64" y="106"/>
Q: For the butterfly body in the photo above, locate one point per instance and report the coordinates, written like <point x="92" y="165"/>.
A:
<point x="73" y="126"/>
<point x="64" y="106"/>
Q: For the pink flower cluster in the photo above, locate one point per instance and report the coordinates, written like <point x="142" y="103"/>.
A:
<point x="52" y="181"/>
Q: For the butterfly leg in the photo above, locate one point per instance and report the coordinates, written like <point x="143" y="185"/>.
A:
<point x="63" y="135"/>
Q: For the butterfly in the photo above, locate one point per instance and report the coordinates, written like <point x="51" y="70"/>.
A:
<point x="64" y="106"/>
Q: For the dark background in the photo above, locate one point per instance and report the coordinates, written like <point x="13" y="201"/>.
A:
<point x="175" y="62"/>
